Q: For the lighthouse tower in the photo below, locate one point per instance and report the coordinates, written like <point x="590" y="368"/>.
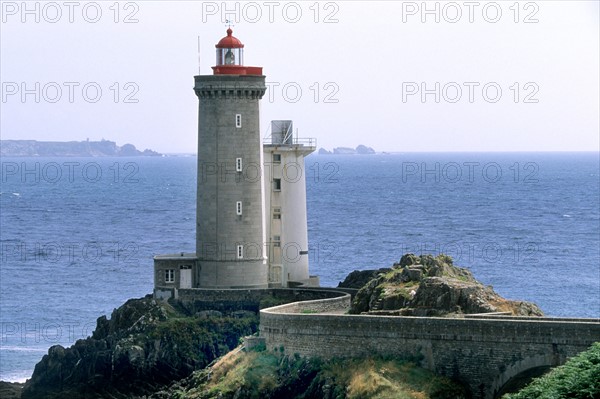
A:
<point x="251" y="227"/>
<point x="230" y="231"/>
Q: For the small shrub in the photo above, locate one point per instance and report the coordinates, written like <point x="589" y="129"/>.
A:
<point x="577" y="379"/>
<point x="262" y="347"/>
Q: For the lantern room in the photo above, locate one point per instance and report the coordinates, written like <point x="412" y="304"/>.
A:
<point x="230" y="57"/>
<point x="230" y="51"/>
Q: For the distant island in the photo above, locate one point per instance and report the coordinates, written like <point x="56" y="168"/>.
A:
<point x="361" y="149"/>
<point x="103" y="148"/>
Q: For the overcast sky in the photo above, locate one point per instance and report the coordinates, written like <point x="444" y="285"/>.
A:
<point x="508" y="76"/>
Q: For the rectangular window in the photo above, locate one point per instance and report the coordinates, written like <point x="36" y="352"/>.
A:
<point x="276" y="158"/>
<point x="238" y="164"/>
<point x="238" y="120"/>
<point x="238" y="207"/>
<point x="169" y="276"/>
<point x="277" y="241"/>
<point x="240" y="251"/>
<point x="277" y="184"/>
<point x="276" y="213"/>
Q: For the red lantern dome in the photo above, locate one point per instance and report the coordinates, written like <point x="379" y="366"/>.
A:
<point x="229" y="41"/>
<point x="230" y="57"/>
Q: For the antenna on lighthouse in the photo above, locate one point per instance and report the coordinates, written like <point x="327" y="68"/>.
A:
<point x="199" y="73"/>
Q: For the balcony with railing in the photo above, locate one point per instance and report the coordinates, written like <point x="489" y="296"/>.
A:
<point x="281" y="134"/>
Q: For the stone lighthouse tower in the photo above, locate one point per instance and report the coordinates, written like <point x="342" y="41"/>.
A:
<point x="230" y="226"/>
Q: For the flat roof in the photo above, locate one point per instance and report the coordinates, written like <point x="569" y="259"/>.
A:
<point x="180" y="255"/>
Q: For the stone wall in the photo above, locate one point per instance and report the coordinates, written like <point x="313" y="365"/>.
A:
<point x="338" y="304"/>
<point x="251" y="299"/>
<point x="532" y="318"/>
<point x="481" y="353"/>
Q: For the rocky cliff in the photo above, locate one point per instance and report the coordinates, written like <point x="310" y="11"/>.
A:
<point x="143" y="346"/>
<point x="428" y="286"/>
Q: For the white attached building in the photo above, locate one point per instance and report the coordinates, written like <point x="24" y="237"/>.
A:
<point x="285" y="205"/>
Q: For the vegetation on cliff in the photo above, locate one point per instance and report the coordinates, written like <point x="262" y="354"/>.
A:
<point x="579" y="378"/>
<point x="145" y="345"/>
<point x="429" y="286"/>
<point x="258" y="375"/>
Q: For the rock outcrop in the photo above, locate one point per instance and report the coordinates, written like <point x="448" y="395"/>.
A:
<point x="359" y="278"/>
<point x="145" y="345"/>
<point x="428" y="286"/>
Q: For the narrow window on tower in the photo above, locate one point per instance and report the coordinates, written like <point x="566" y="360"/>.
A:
<point x="238" y="207"/>
<point x="238" y="164"/>
<point x="240" y="251"/>
<point x="276" y="158"/>
<point x="238" y="120"/>
<point x="276" y="213"/>
<point x="276" y="184"/>
<point x="277" y="241"/>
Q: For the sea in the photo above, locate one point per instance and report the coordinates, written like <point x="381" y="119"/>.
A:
<point x="78" y="234"/>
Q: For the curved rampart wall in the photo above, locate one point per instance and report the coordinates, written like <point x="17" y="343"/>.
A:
<point x="475" y="351"/>
<point x="339" y="304"/>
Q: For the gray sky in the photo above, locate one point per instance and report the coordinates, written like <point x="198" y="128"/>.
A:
<point x="361" y="68"/>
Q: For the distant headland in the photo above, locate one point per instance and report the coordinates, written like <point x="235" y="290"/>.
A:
<point x="103" y="148"/>
<point x="361" y="149"/>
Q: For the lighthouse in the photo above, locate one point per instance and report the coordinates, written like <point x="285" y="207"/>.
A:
<point x="230" y="232"/>
<point x="251" y="229"/>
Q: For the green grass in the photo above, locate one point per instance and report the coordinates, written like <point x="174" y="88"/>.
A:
<point x="252" y="372"/>
<point x="261" y="375"/>
<point x="389" y="379"/>
<point x="579" y="378"/>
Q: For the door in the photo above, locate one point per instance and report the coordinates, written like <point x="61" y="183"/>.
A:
<point x="185" y="277"/>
